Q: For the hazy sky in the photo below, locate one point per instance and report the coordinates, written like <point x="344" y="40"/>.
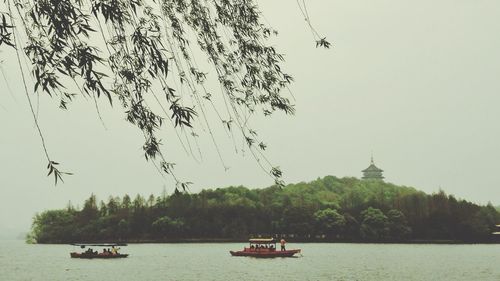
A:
<point x="415" y="82"/>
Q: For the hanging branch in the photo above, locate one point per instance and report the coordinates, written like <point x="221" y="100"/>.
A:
<point x="320" y="41"/>
<point x="144" y="45"/>
<point x="53" y="170"/>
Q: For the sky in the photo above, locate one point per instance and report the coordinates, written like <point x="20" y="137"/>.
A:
<point x="413" y="83"/>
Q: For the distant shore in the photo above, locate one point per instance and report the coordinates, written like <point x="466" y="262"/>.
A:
<point x="226" y="240"/>
<point x="327" y="210"/>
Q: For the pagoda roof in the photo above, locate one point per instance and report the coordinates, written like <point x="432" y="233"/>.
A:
<point x="372" y="168"/>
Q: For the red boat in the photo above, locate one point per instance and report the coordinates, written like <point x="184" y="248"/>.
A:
<point x="107" y="253"/>
<point x="264" y="248"/>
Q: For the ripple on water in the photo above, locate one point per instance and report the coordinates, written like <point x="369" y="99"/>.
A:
<point x="212" y="262"/>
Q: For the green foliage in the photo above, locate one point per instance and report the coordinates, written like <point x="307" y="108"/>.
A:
<point x="397" y="224"/>
<point x="124" y="50"/>
<point x="329" y="208"/>
<point x="374" y="225"/>
<point x="165" y="226"/>
<point x="329" y="222"/>
<point x="53" y="226"/>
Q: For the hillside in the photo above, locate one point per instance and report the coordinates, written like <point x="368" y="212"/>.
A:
<point x="326" y="209"/>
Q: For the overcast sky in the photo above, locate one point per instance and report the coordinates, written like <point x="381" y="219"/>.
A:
<point x="415" y="82"/>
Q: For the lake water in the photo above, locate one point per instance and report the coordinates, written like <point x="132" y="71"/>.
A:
<point x="207" y="261"/>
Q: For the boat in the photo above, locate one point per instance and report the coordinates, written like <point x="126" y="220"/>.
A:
<point x="109" y="251"/>
<point x="264" y="248"/>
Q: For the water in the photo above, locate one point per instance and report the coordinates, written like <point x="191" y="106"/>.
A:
<point x="19" y="261"/>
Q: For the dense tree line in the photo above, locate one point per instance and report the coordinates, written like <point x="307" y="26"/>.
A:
<point x="327" y="209"/>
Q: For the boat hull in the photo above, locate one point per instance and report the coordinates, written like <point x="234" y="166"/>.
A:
<point x="98" y="256"/>
<point x="265" y="254"/>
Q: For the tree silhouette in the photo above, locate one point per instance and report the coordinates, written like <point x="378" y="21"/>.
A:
<point x="238" y="212"/>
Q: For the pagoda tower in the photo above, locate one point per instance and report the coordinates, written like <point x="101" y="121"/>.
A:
<point x="372" y="172"/>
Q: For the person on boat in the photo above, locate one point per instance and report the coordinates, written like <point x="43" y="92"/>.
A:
<point x="283" y="242"/>
<point x="114" y="250"/>
<point x="271" y="248"/>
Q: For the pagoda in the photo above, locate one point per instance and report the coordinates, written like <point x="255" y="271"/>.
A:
<point x="372" y="172"/>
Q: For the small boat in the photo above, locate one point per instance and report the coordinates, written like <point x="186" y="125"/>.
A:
<point x="264" y="248"/>
<point x="109" y="251"/>
<point x="97" y="256"/>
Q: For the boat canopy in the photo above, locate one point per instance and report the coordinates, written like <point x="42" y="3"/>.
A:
<point x="262" y="240"/>
<point x="83" y="245"/>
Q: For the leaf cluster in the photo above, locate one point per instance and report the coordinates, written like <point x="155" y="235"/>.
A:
<point x="145" y="41"/>
<point x="6" y="32"/>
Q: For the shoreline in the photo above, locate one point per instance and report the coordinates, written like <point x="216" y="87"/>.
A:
<point x="223" y="241"/>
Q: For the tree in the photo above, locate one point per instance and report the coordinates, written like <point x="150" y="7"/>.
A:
<point x="374" y="224"/>
<point x="126" y="202"/>
<point x="297" y="220"/>
<point x="55" y="226"/>
<point x="329" y="222"/>
<point x="103" y="209"/>
<point x="113" y="205"/>
<point x="165" y="226"/>
<point x="397" y="224"/>
<point x="89" y="211"/>
<point x="123" y="228"/>
<point x="145" y="41"/>
<point x="351" y="228"/>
